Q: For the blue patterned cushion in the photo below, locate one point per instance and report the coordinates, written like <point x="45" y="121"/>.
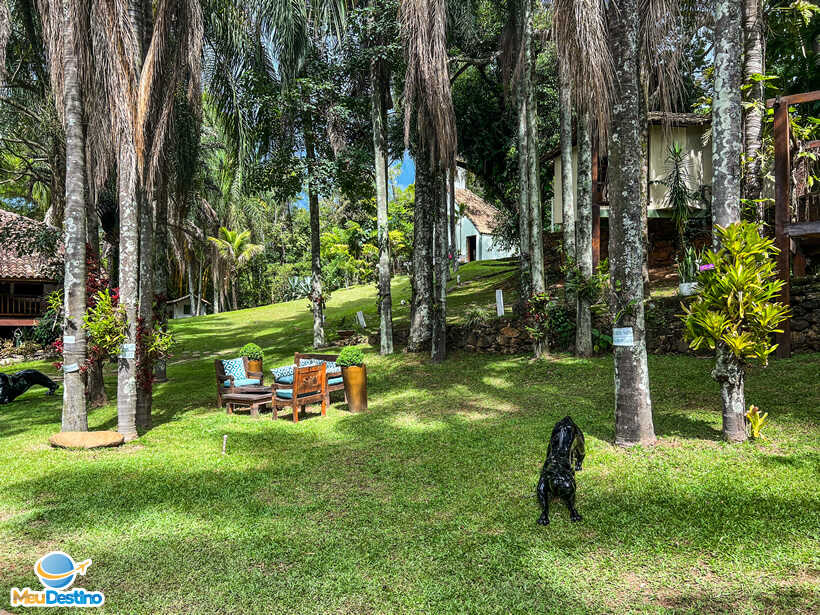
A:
<point x="283" y="374"/>
<point x="242" y="382"/>
<point x="331" y="365"/>
<point x="235" y="368"/>
<point x="334" y="381"/>
<point x="288" y="393"/>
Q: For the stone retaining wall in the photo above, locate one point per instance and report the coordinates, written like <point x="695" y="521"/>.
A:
<point x="805" y="296"/>
<point x="664" y="329"/>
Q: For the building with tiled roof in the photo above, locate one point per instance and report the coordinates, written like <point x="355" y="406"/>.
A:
<point x="476" y="225"/>
<point x="25" y="279"/>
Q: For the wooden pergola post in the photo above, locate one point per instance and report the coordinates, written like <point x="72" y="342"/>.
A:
<point x="597" y="197"/>
<point x="782" y="199"/>
<point x="782" y="195"/>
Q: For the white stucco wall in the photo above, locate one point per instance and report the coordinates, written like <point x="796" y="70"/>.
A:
<point x="698" y="158"/>
<point x="485" y="245"/>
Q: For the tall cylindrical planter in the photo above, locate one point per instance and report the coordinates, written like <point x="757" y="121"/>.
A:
<point x="355" y="381"/>
<point x="255" y="365"/>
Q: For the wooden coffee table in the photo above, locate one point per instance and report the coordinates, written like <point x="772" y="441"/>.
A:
<point x="249" y="399"/>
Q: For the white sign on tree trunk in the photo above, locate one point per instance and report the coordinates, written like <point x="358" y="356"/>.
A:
<point x="128" y="351"/>
<point x="69" y="339"/>
<point x="499" y="302"/>
<point x="622" y="336"/>
<point x="360" y="318"/>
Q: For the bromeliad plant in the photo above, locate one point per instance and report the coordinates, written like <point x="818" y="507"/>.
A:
<point x="736" y="313"/>
<point x="756" y="422"/>
<point x="688" y="265"/>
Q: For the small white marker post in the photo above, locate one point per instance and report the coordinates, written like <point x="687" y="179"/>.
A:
<point x="499" y="302"/>
<point x="458" y="279"/>
<point x="224" y="443"/>
<point x="360" y="318"/>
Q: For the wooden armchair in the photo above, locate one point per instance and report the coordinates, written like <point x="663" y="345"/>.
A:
<point x="309" y="386"/>
<point x="232" y="383"/>
<point x="334" y="379"/>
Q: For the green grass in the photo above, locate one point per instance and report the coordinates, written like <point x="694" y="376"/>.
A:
<point x="425" y="503"/>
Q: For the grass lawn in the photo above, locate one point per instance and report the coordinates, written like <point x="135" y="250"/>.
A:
<point x="425" y="503"/>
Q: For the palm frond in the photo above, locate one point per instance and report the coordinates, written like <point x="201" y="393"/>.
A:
<point x="579" y="31"/>
<point x="427" y="79"/>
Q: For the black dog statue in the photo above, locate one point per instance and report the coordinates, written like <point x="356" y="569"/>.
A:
<point x="14" y="385"/>
<point x="566" y="448"/>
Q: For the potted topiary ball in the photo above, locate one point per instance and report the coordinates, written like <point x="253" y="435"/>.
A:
<point x="254" y="356"/>
<point x="354" y="373"/>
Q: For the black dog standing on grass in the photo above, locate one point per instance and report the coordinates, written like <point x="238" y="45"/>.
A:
<point x="558" y="475"/>
<point x="14" y="385"/>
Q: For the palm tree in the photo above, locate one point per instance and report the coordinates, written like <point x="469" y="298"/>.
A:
<point x="75" y="417"/>
<point x="427" y="97"/>
<point x="727" y="146"/>
<point x="753" y="64"/>
<point x="567" y="189"/>
<point x="379" y="84"/>
<point x="610" y="50"/>
<point x="583" y="235"/>
<point x="236" y="251"/>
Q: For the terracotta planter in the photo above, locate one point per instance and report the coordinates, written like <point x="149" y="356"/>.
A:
<point x="254" y="366"/>
<point x="355" y="380"/>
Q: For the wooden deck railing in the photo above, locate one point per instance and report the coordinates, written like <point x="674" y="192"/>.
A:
<point x="20" y="305"/>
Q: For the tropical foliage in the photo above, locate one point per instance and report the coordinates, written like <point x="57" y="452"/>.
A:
<point x="737" y="305"/>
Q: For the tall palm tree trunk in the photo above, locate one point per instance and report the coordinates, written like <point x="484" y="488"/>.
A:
<point x="315" y="250"/>
<point x="421" y="324"/>
<point x="633" y="406"/>
<point x="75" y="417"/>
<point x="753" y="58"/>
<point x="145" y="317"/>
<point x="726" y="149"/>
<point x="129" y="288"/>
<point x="567" y="187"/>
<point x="131" y="199"/>
<point x="379" y="116"/>
<point x="439" y="342"/>
<point x="161" y="269"/>
<point x="524" y="201"/>
<point x="533" y="167"/>
<point x="644" y="120"/>
<point x="583" y="234"/>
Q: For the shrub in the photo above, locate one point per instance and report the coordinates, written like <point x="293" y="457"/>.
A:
<point x="735" y="313"/>
<point x="476" y="316"/>
<point x="551" y="321"/>
<point x="735" y="307"/>
<point x="350" y="356"/>
<point x="47" y="329"/>
<point x="106" y="324"/>
<point x="251" y="351"/>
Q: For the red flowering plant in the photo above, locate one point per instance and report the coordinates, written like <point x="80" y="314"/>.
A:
<point x="535" y="310"/>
